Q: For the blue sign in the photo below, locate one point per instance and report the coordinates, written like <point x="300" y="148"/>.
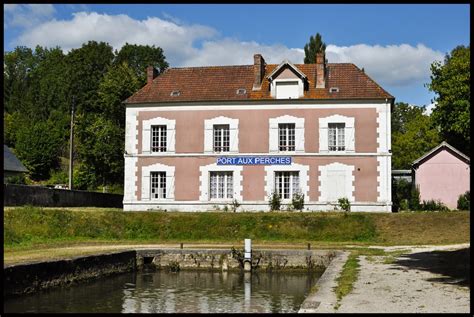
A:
<point x="254" y="160"/>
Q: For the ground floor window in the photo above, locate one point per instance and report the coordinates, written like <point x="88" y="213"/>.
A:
<point x="221" y="185"/>
<point x="287" y="184"/>
<point x="158" y="185"/>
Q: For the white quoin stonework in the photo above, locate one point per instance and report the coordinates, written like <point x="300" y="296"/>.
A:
<point x="384" y="171"/>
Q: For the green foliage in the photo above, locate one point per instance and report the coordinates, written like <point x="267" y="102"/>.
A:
<point x="58" y="177"/>
<point x="344" y="204"/>
<point x="414" y="201"/>
<point x="450" y="81"/>
<point x="433" y="205"/>
<point x="16" y="179"/>
<point x="297" y="201"/>
<point x="412" y="135"/>
<point x="464" y="201"/>
<point x="37" y="146"/>
<point x="139" y="57"/>
<point x="274" y="201"/>
<point x="84" y="178"/>
<point x="315" y="45"/>
<point x="401" y="192"/>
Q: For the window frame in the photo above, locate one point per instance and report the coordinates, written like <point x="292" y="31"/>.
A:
<point x="225" y="176"/>
<point x="223" y="131"/>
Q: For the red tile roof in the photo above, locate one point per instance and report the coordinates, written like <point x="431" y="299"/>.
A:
<point x="220" y="83"/>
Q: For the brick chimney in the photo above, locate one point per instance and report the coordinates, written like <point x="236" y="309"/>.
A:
<point x="258" y="70"/>
<point x="151" y="74"/>
<point x="320" y="70"/>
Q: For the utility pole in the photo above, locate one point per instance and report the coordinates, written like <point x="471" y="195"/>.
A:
<point x="71" y="142"/>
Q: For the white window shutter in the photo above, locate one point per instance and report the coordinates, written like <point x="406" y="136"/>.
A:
<point x="146" y="187"/>
<point x="323" y="139"/>
<point x="146" y="140"/>
<point x="350" y="139"/>
<point x="169" y="186"/>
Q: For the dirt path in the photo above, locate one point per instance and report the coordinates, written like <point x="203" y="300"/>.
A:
<point x="426" y="280"/>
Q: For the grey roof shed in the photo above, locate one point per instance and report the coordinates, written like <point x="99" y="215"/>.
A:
<point x="10" y="162"/>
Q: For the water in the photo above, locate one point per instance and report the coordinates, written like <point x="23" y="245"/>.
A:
<point x="182" y="292"/>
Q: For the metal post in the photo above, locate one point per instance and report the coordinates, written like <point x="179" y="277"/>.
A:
<point x="71" y="142"/>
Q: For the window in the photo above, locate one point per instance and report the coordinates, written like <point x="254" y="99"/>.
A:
<point x="336" y="136"/>
<point x="286" y="136"/>
<point x="287" y="184"/>
<point x="158" y="185"/>
<point x="158" y="138"/>
<point x="221" y="185"/>
<point x="287" y="90"/>
<point x="221" y="138"/>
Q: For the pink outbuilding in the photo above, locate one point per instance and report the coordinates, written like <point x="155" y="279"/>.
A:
<point x="442" y="174"/>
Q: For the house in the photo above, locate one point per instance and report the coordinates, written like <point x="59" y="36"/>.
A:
<point x="442" y="174"/>
<point x="201" y="137"/>
<point x="11" y="165"/>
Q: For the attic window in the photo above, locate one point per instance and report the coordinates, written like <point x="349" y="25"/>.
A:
<point x="175" y="93"/>
<point x="241" y="91"/>
<point x="334" y="89"/>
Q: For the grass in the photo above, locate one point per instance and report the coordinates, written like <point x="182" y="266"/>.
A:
<point x="31" y="229"/>
<point x="347" y="278"/>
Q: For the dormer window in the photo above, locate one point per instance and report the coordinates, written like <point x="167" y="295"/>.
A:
<point x="241" y="91"/>
<point x="175" y="93"/>
<point x="287" y="81"/>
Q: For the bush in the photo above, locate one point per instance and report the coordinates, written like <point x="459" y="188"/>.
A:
<point x="414" y="201"/>
<point x="433" y="205"/>
<point x="464" y="201"/>
<point x="235" y="205"/>
<point x="298" y="201"/>
<point x="16" y="179"/>
<point x="274" y="201"/>
<point x="344" y="204"/>
<point x="401" y="193"/>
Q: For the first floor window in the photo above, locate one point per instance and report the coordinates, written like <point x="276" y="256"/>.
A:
<point x="221" y="185"/>
<point x="158" y="185"/>
<point x="221" y="138"/>
<point x="286" y="136"/>
<point x="287" y="184"/>
<point x="158" y="138"/>
<point x="336" y="136"/>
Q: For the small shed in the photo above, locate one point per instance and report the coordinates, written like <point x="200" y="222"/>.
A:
<point x="442" y="174"/>
<point x="11" y="164"/>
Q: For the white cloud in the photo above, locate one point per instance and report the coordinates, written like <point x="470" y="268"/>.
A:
<point x="429" y="109"/>
<point x="27" y="15"/>
<point x="200" y="45"/>
<point x="398" y="65"/>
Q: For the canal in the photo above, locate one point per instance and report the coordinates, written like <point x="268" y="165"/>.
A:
<point x="181" y="292"/>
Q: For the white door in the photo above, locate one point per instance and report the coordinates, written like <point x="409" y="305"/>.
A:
<point x="336" y="185"/>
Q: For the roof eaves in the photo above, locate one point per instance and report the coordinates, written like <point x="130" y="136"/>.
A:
<point x="282" y="64"/>
<point x="434" y="150"/>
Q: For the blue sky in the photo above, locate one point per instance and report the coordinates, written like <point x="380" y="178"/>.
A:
<point x="394" y="43"/>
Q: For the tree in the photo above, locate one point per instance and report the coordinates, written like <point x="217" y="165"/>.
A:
<point x="37" y="146"/>
<point x="315" y="45"/>
<point x="451" y="83"/>
<point x="412" y="135"/>
<point x="119" y="83"/>
<point x="139" y="57"/>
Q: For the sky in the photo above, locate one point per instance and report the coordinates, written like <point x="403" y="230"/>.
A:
<point x="394" y="43"/>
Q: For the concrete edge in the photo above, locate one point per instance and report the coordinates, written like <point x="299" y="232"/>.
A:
<point x="324" y="299"/>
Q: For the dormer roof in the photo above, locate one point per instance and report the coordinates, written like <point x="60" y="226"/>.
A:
<point x="282" y="66"/>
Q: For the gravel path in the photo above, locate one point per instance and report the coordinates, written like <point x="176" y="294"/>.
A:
<point x="425" y="280"/>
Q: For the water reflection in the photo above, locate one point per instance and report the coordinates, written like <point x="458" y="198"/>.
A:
<point x="182" y="292"/>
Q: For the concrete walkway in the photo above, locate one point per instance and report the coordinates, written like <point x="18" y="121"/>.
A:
<point x="426" y="279"/>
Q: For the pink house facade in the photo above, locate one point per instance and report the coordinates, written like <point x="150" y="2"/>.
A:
<point x="442" y="174"/>
<point x="198" y="138"/>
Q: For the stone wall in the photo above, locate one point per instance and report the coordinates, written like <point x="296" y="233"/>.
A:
<point x="213" y="259"/>
<point x="19" y="195"/>
<point x="28" y="278"/>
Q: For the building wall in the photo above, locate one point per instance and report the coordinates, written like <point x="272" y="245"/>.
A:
<point x="369" y="162"/>
<point x="443" y="177"/>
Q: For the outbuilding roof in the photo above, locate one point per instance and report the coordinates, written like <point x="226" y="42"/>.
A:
<point x="220" y="83"/>
<point x="10" y="162"/>
<point x="443" y="145"/>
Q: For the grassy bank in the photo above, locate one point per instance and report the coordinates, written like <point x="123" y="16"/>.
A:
<point x="27" y="227"/>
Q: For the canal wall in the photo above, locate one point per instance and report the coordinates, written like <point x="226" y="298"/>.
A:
<point x="32" y="277"/>
<point x="226" y="260"/>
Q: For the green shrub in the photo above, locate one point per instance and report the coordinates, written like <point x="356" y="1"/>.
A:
<point x="464" y="201"/>
<point x="433" y="205"/>
<point x="235" y="205"/>
<point x="274" y="201"/>
<point x="16" y="179"/>
<point x="401" y="193"/>
<point x="344" y="204"/>
<point x="414" y="201"/>
<point x="297" y="201"/>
